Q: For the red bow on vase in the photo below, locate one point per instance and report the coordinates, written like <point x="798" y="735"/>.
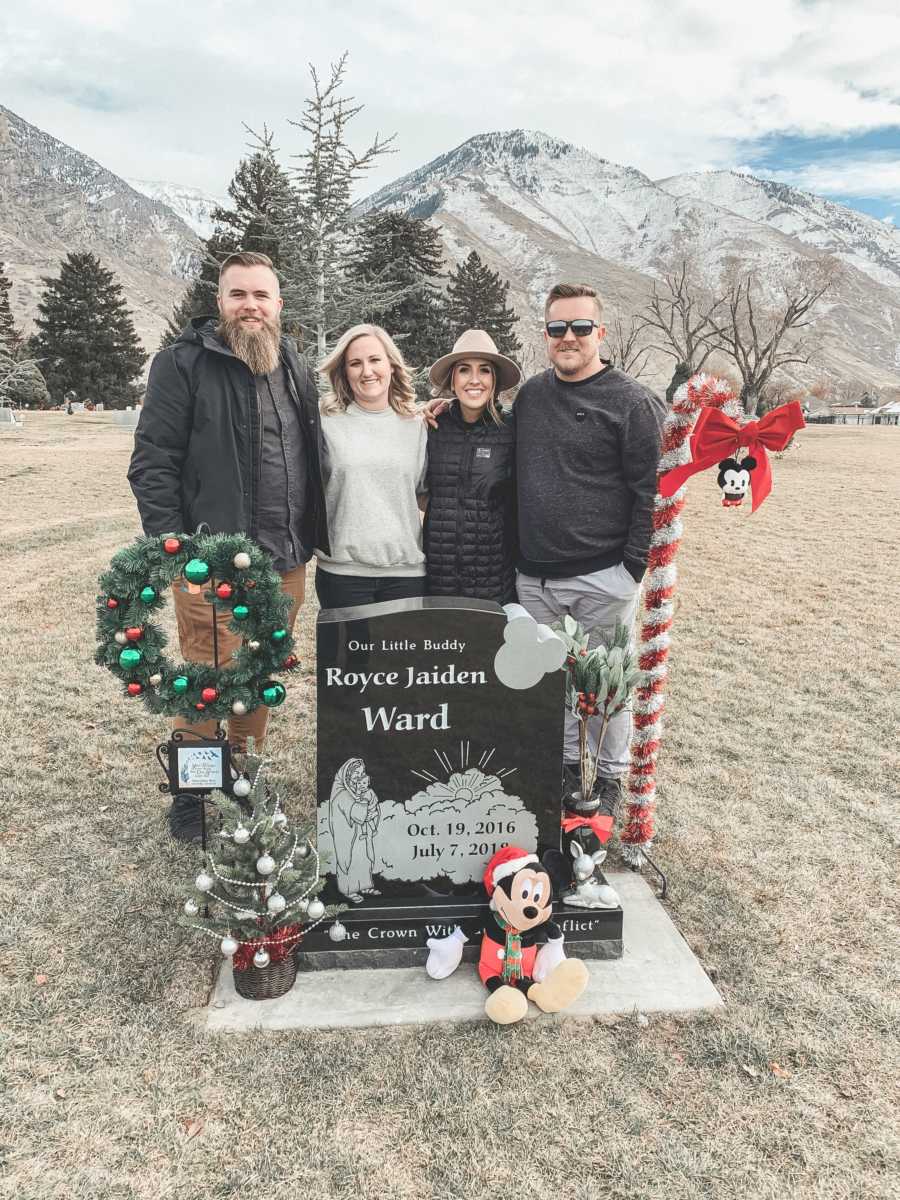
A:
<point x="716" y="437"/>
<point x="601" y="826"/>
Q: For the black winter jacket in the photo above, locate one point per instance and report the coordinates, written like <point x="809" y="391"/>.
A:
<point x="197" y="444"/>
<point x="470" y="534"/>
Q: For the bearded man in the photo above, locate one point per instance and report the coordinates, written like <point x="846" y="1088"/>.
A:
<point x="229" y="437"/>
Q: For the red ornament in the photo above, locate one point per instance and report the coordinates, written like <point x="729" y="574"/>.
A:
<point x="209" y="694"/>
<point x="172" y="545"/>
<point x="290" y="662"/>
<point x="135" y="689"/>
<point x="224" y="591"/>
<point x="199" y="707"/>
<point x="134" y="633"/>
<point x="112" y="602"/>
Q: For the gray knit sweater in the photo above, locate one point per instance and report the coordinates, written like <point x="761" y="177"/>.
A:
<point x="373" y="468"/>
<point x="586" y="459"/>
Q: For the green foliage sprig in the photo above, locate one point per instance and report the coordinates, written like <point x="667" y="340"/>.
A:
<point x="131" y="593"/>
<point x="599" y="683"/>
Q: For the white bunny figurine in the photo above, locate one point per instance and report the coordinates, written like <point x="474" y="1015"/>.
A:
<point x="588" y="891"/>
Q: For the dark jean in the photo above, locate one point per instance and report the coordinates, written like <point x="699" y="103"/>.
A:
<point x="347" y="591"/>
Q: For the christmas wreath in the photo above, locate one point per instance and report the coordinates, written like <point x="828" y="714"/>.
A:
<point x="241" y="579"/>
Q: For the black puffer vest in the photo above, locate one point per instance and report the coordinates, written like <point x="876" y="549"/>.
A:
<point x="470" y="531"/>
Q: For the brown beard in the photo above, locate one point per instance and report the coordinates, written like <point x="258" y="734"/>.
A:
<point x="258" y="348"/>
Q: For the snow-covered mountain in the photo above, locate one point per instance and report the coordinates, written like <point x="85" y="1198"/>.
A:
<point x="539" y="209"/>
<point x="865" y="242"/>
<point x="54" y="199"/>
<point x="194" y="206"/>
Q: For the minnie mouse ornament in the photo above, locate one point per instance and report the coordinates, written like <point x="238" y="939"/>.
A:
<point x="522" y="954"/>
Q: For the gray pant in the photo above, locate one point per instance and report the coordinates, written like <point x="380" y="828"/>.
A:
<point x="596" y="601"/>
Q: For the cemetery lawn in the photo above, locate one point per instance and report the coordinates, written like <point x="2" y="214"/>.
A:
<point x="777" y="826"/>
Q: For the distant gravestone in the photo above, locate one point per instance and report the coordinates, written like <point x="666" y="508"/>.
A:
<point x="439" y="741"/>
<point x="9" y="418"/>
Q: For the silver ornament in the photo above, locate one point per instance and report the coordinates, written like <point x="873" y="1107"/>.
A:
<point x="242" y="835"/>
<point x="239" y="708"/>
<point x="265" y="864"/>
<point x="276" y="903"/>
<point x="303" y="849"/>
<point x="254" y="645"/>
<point x="261" y="958"/>
<point x="242" y="787"/>
<point x="155" y="680"/>
<point x="204" y="882"/>
<point x="279" y="820"/>
<point x="337" y="932"/>
<point x="316" y="909"/>
<point x="191" y="908"/>
<point x="241" y="560"/>
<point x="121" y="638"/>
<point x="228" y="946"/>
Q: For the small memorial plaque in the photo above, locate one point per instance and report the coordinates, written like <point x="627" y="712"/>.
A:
<point x="198" y="765"/>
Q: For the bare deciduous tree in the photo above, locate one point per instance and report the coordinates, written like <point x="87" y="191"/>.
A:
<point x="684" y="316"/>
<point x="762" y="337"/>
<point x="626" y="346"/>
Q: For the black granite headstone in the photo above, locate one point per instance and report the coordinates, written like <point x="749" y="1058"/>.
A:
<point x="428" y="764"/>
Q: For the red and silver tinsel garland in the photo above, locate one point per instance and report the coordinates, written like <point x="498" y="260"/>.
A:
<point x="653" y="645"/>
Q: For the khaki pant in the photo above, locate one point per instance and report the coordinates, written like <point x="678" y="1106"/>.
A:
<point x="195" y="635"/>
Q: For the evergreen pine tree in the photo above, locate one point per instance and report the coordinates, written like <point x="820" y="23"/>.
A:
<point x="476" y="299"/>
<point x="261" y="882"/>
<point x="10" y="337"/>
<point x="259" y="191"/>
<point x="85" y="338"/>
<point x="407" y="252"/>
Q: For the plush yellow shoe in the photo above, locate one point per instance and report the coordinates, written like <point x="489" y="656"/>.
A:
<point x="507" y="1005"/>
<point x="562" y="987"/>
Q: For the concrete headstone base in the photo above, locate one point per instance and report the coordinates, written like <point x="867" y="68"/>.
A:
<point x="657" y="973"/>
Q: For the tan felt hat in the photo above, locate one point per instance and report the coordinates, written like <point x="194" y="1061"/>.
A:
<point x="475" y="343"/>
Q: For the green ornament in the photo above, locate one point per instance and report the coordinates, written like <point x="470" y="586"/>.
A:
<point x="272" y="693"/>
<point x="148" y="594"/>
<point x="180" y="684"/>
<point x="278" y="635"/>
<point x="196" y="571"/>
<point x="130" y="658"/>
<point x="240" y="612"/>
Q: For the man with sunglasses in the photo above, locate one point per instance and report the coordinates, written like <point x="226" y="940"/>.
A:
<point x="587" y="449"/>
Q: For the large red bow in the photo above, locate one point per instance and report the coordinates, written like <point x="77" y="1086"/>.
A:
<point x="716" y="437"/>
<point x="601" y="825"/>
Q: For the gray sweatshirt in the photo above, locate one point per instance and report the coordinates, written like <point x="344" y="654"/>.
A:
<point x="586" y="459"/>
<point x="373" y="469"/>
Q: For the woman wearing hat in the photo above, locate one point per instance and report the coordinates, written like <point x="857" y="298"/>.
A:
<point x="470" y="535"/>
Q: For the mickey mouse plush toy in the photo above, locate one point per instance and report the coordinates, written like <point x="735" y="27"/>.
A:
<point x="734" y="480"/>
<point x="522" y="955"/>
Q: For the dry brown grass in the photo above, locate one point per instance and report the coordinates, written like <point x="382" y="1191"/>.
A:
<point x="778" y="827"/>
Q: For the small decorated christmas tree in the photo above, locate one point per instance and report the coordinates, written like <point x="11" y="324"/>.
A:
<point x="258" y="892"/>
<point x="599" y="683"/>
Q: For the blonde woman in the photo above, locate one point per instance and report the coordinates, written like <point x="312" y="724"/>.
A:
<point x="373" y="466"/>
<point x="470" y="527"/>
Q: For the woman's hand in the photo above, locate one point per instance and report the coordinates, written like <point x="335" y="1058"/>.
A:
<point x="433" y="409"/>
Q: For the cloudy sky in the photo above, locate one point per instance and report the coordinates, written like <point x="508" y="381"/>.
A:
<point x="806" y="91"/>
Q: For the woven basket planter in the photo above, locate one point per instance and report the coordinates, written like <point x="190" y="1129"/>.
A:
<point x="266" y="983"/>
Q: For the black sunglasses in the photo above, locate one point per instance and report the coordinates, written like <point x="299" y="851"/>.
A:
<point x="581" y="327"/>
